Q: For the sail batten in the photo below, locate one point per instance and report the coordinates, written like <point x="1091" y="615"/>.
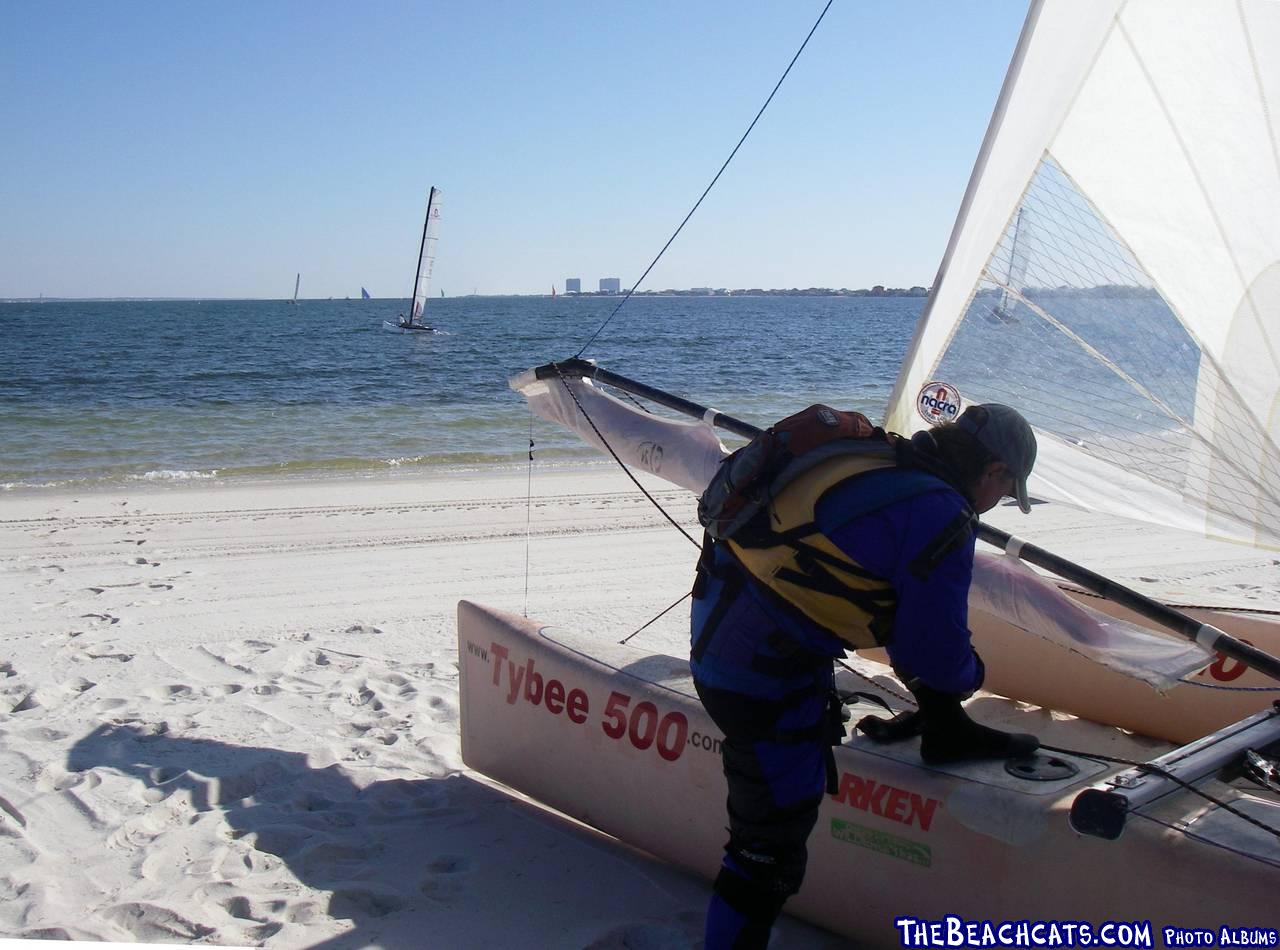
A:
<point x="1135" y="322"/>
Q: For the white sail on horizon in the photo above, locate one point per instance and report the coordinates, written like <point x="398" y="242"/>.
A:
<point x="426" y="255"/>
<point x="1137" y="325"/>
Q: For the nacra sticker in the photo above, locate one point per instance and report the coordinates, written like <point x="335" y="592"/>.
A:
<point x="939" y="402"/>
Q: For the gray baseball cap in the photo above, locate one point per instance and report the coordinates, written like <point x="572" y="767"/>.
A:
<point x="1005" y="434"/>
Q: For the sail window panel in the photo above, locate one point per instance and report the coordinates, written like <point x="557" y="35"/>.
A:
<point x="1066" y="326"/>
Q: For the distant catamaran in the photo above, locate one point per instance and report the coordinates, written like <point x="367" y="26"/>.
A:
<point x="297" y="281"/>
<point x="364" y="294"/>
<point x="422" y="274"/>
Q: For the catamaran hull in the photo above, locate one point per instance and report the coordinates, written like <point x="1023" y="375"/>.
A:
<point x="388" y="325"/>
<point x="616" y="738"/>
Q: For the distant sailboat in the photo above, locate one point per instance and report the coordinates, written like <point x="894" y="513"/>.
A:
<point x="297" y="281"/>
<point x="364" y="294"/>
<point x="422" y="274"/>
<point x="553" y="291"/>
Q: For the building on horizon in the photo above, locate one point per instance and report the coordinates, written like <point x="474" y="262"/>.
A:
<point x="610" y="285"/>
<point x="573" y="285"/>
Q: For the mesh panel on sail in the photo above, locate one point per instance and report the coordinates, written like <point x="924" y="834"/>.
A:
<point x="1066" y="326"/>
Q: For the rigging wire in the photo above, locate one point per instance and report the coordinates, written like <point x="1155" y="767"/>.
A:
<point x="605" y="442"/>
<point x="1148" y="769"/>
<point x="683" y="598"/>
<point x="528" y="518"/>
<point x="632" y="289"/>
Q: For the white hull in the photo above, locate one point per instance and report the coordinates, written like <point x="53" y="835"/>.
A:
<point x="538" y="708"/>
<point x="401" y="328"/>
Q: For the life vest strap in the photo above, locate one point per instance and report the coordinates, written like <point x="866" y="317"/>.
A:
<point x="955" y="533"/>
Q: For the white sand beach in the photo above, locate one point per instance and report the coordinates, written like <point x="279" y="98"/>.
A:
<point x="229" y="713"/>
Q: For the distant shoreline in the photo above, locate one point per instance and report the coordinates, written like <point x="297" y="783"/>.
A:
<point x="876" y="291"/>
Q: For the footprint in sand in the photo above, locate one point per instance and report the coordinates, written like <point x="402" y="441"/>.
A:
<point x="169" y="693"/>
<point x="445" y="877"/>
<point x="241" y="908"/>
<point x="401" y="686"/>
<point x="102" y="588"/>
<point x="365" y="697"/>
<point x="222" y="689"/>
<point x="52" y="697"/>
<point x="364" y="902"/>
<point x="54" y="779"/>
<point x="100" y="620"/>
<point x="107" y="651"/>
<point x="153" y="924"/>
<point x="441" y="709"/>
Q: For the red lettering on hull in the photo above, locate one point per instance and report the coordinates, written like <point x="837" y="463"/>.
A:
<point x="887" y="801"/>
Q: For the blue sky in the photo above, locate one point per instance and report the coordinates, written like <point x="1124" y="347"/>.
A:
<point x="214" y="149"/>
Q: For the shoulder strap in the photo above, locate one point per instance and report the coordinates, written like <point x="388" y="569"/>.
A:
<point x="954" y="533"/>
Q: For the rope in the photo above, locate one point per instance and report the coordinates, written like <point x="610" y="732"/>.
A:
<point x="528" y="521"/>
<point x="659" y="617"/>
<point x="630" y="475"/>
<point x="631" y="290"/>
<point x="1231" y="689"/>
<point x="867" y="679"/>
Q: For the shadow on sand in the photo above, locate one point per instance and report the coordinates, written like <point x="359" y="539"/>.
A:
<point x="432" y="862"/>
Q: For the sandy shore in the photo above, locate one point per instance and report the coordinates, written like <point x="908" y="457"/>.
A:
<point x="229" y="713"/>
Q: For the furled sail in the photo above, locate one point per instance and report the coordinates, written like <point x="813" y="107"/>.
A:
<point x="1114" y="272"/>
<point x="683" y="452"/>
<point x="426" y="254"/>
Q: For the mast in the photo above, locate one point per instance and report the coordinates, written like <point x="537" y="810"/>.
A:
<point x="1003" y="309"/>
<point x="414" y="307"/>
<point x="297" y="282"/>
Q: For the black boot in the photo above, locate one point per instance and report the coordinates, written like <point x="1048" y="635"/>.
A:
<point x="902" y="726"/>
<point x="949" y="735"/>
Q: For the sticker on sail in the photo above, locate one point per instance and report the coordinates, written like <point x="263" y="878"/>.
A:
<point x="939" y="402"/>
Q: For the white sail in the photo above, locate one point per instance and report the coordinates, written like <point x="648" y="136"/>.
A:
<point x="426" y="255"/>
<point x="1137" y="324"/>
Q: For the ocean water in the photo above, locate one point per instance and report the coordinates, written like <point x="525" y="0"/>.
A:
<point x="117" y="391"/>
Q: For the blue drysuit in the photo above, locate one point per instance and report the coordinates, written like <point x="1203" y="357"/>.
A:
<point x="765" y="676"/>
